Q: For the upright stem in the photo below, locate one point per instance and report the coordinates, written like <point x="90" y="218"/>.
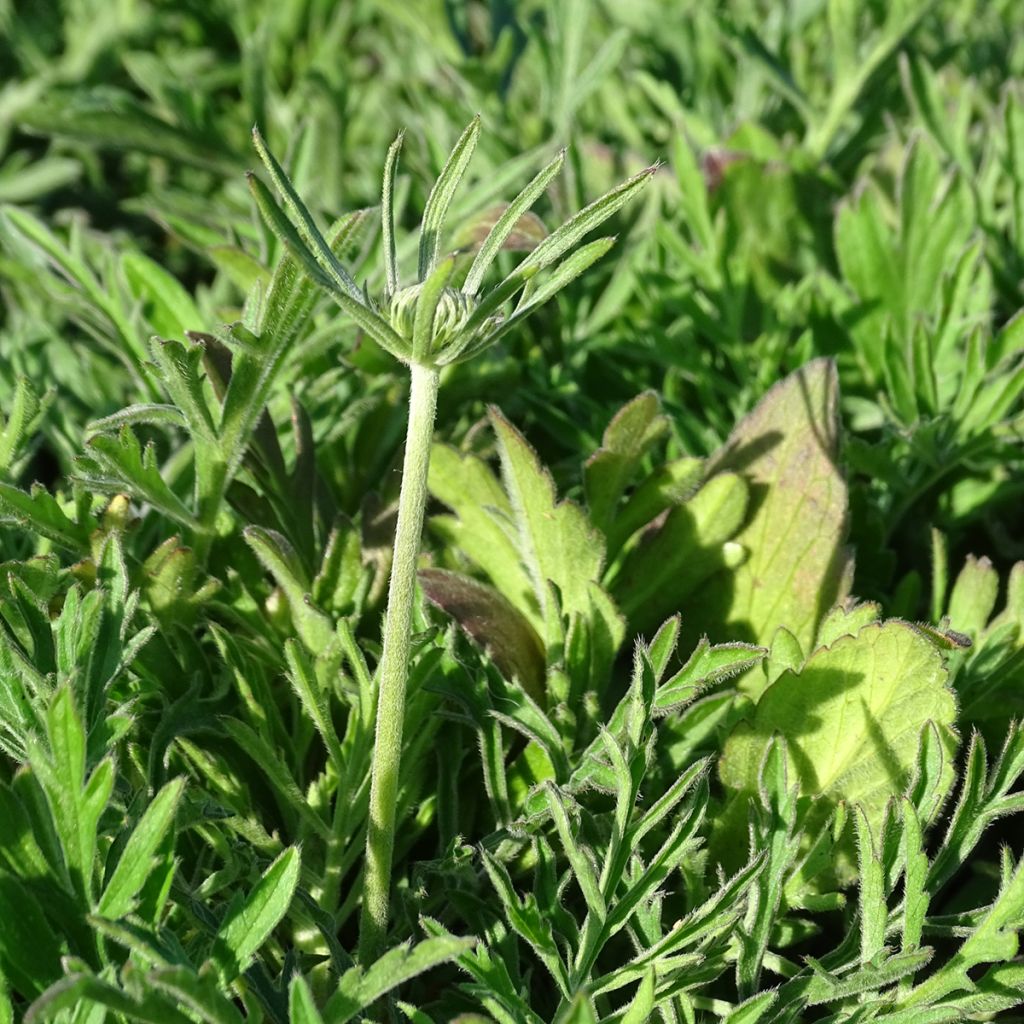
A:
<point x="394" y="665"/>
<point x="211" y="481"/>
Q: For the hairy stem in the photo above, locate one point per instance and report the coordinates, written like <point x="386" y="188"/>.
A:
<point x="211" y="484"/>
<point x="394" y="665"/>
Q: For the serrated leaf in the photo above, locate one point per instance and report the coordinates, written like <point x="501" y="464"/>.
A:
<point x="39" y="511"/>
<point x="851" y="718"/>
<point x="554" y="539"/>
<point x="707" y="665"/>
<point x="127" y="464"/>
<point x="846" y="619"/>
<point x="611" y="469"/>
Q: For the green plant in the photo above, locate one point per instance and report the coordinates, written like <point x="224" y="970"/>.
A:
<point x="702" y="719"/>
<point x="427" y="326"/>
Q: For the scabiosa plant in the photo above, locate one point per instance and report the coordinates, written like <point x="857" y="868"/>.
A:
<point x="427" y="325"/>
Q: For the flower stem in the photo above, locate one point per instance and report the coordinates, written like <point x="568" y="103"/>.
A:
<point x="394" y="665"/>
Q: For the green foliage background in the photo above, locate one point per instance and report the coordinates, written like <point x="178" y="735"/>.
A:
<point x="187" y="643"/>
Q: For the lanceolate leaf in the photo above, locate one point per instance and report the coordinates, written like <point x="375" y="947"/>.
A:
<point x="136" y="860"/>
<point x="493" y="622"/>
<point x="249" y="926"/>
<point x="359" y="989"/>
<point x="39" y="510"/>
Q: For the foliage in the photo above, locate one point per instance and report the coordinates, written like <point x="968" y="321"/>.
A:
<point x="713" y="652"/>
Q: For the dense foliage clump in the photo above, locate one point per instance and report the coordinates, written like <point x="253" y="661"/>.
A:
<point x="415" y="607"/>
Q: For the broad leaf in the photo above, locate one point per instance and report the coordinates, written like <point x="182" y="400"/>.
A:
<point x="796" y="567"/>
<point x="851" y="719"/>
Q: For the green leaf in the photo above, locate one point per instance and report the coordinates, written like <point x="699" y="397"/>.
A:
<point x="482" y="525"/>
<point x="180" y="366"/>
<point x="277" y="773"/>
<point x="132" y="415"/>
<point x="675" y="559"/>
<point x="579" y="1011"/>
<point x="436" y="209"/>
<point x="81" y="989"/>
<point x="851" y="719"/>
<point x="387" y="215"/>
<point x="846" y="619"/>
<point x="668" y="485"/>
<point x="825" y="988"/>
<point x="250" y="924"/>
<point x="707" y="666"/>
<point x="797" y="567"/>
<point x="301" y="1008"/>
<point x="360" y="988"/>
<point x="170" y="309"/>
<point x="425" y="315"/>
<point x="303" y="219"/>
<point x="493" y="622"/>
<point x="324" y="268"/>
<point x="973" y="597"/>
<point x="871" y="877"/>
<point x="29" y="950"/>
<point x="196" y="992"/>
<point x="18" y="421"/>
<point x="110" y="118"/>
<point x="138" y="856"/>
<point x="528" y="920"/>
<point x="285" y="314"/>
<point x="915" y="875"/>
<point x="122" y="462"/>
<point x="555" y="540"/>
<point x="69" y="263"/>
<point x="611" y="469"/>
<point x="505" y="224"/>
<point x="38" y="510"/>
<point x="753" y="1010"/>
<point x="564" y="238"/>
<point x="280" y="559"/>
<point x="314" y="698"/>
<point x="641" y="1009"/>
